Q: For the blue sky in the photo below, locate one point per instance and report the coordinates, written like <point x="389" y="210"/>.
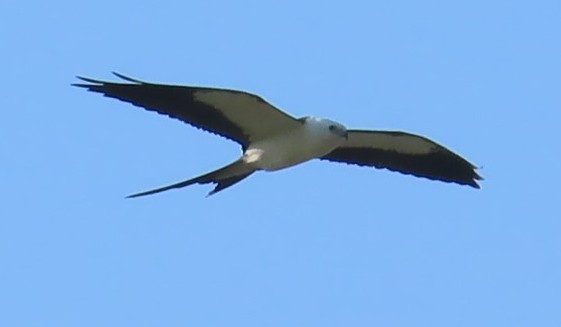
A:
<point x="317" y="245"/>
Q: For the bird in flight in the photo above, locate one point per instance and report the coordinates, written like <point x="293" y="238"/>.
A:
<point x="271" y="139"/>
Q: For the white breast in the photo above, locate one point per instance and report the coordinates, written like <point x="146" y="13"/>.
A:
<point x="296" y="146"/>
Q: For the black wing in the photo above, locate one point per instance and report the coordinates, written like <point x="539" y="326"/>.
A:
<point x="406" y="153"/>
<point x="236" y="115"/>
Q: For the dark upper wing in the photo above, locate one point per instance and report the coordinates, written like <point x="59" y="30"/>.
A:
<point x="237" y="115"/>
<point x="405" y="153"/>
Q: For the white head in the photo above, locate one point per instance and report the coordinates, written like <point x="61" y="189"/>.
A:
<point x="327" y="127"/>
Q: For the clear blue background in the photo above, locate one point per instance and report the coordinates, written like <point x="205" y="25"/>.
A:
<point x="320" y="244"/>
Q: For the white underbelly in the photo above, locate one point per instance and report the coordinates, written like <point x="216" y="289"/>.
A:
<point x="289" y="149"/>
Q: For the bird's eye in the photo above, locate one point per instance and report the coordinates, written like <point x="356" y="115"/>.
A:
<point x="331" y="127"/>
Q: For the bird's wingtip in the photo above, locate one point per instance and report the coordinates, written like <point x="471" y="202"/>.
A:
<point x="136" y="195"/>
<point x="126" y="78"/>
<point x="98" y="82"/>
<point x="477" y="178"/>
<point x="86" y="79"/>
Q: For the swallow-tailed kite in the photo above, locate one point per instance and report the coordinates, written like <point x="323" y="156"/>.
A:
<point x="273" y="140"/>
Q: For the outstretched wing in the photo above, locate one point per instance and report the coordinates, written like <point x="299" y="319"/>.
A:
<point x="406" y="153"/>
<point x="236" y="115"/>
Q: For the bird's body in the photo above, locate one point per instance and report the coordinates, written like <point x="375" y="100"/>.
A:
<point x="273" y="140"/>
<point x="311" y="140"/>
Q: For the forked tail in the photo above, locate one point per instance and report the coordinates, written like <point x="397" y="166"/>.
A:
<point x="223" y="177"/>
